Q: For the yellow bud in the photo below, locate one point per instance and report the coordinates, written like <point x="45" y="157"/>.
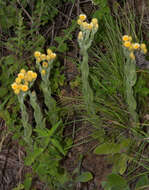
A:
<point x="43" y="72"/>
<point x="132" y="55"/>
<point x="79" y="22"/>
<point x="48" y="57"/>
<point x="144" y="50"/>
<point x="18" y="80"/>
<point x="21" y="75"/>
<point x="49" y="51"/>
<point x="45" y="64"/>
<point x="29" y="73"/>
<point x="80" y="35"/>
<point x="24" y="88"/>
<point x="26" y="83"/>
<point x="14" y="86"/>
<point x="96" y="27"/>
<point x="53" y="55"/>
<point x="34" y="75"/>
<point x="19" y="86"/>
<point x="90" y="26"/>
<point x="82" y="17"/>
<point x="23" y="71"/>
<point x="127" y="44"/>
<point x="130" y="38"/>
<point x="85" y="25"/>
<point x="125" y="38"/>
<point x="43" y="57"/>
<point x="143" y="46"/>
<point x="17" y="91"/>
<point x="94" y="21"/>
<point x="136" y="45"/>
<point x="131" y="47"/>
<point x="37" y="54"/>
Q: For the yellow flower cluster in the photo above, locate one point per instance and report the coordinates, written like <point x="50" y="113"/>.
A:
<point x="127" y="42"/>
<point x="43" y="57"/>
<point x="22" y="81"/>
<point x="87" y="26"/>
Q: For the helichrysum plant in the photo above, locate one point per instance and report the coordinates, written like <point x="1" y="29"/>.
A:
<point x="45" y="63"/>
<point x="21" y="88"/>
<point x="130" y="49"/>
<point x="44" y="148"/>
<point x="85" y="38"/>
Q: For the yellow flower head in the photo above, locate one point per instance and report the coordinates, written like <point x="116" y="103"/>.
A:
<point x="43" y="57"/>
<point x="132" y="56"/>
<point x="24" y="88"/>
<point x="18" y="80"/>
<point x="21" y="75"/>
<point x="45" y="64"/>
<point x="80" y="35"/>
<point x="14" y="86"/>
<point x="17" y="91"/>
<point x="43" y="72"/>
<point x="49" y="51"/>
<point x="23" y="71"/>
<point x="136" y="45"/>
<point x="127" y="44"/>
<point x="37" y="54"/>
<point x="143" y="48"/>
<point x="94" y="21"/>
<point x="48" y="57"/>
<point x="125" y="38"/>
<point x="34" y="75"/>
<point x="82" y="17"/>
<point x="29" y="76"/>
<point x="53" y="55"/>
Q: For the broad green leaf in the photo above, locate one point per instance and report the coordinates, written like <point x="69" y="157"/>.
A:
<point x="120" y="163"/>
<point x="116" y="181"/>
<point x="84" y="177"/>
<point x="107" y="148"/>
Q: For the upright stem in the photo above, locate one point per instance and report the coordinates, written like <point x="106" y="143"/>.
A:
<point x="86" y="90"/>
<point x="26" y="125"/>
<point x="40" y="122"/>
<point x="130" y="80"/>
<point x="50" y="102"/>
